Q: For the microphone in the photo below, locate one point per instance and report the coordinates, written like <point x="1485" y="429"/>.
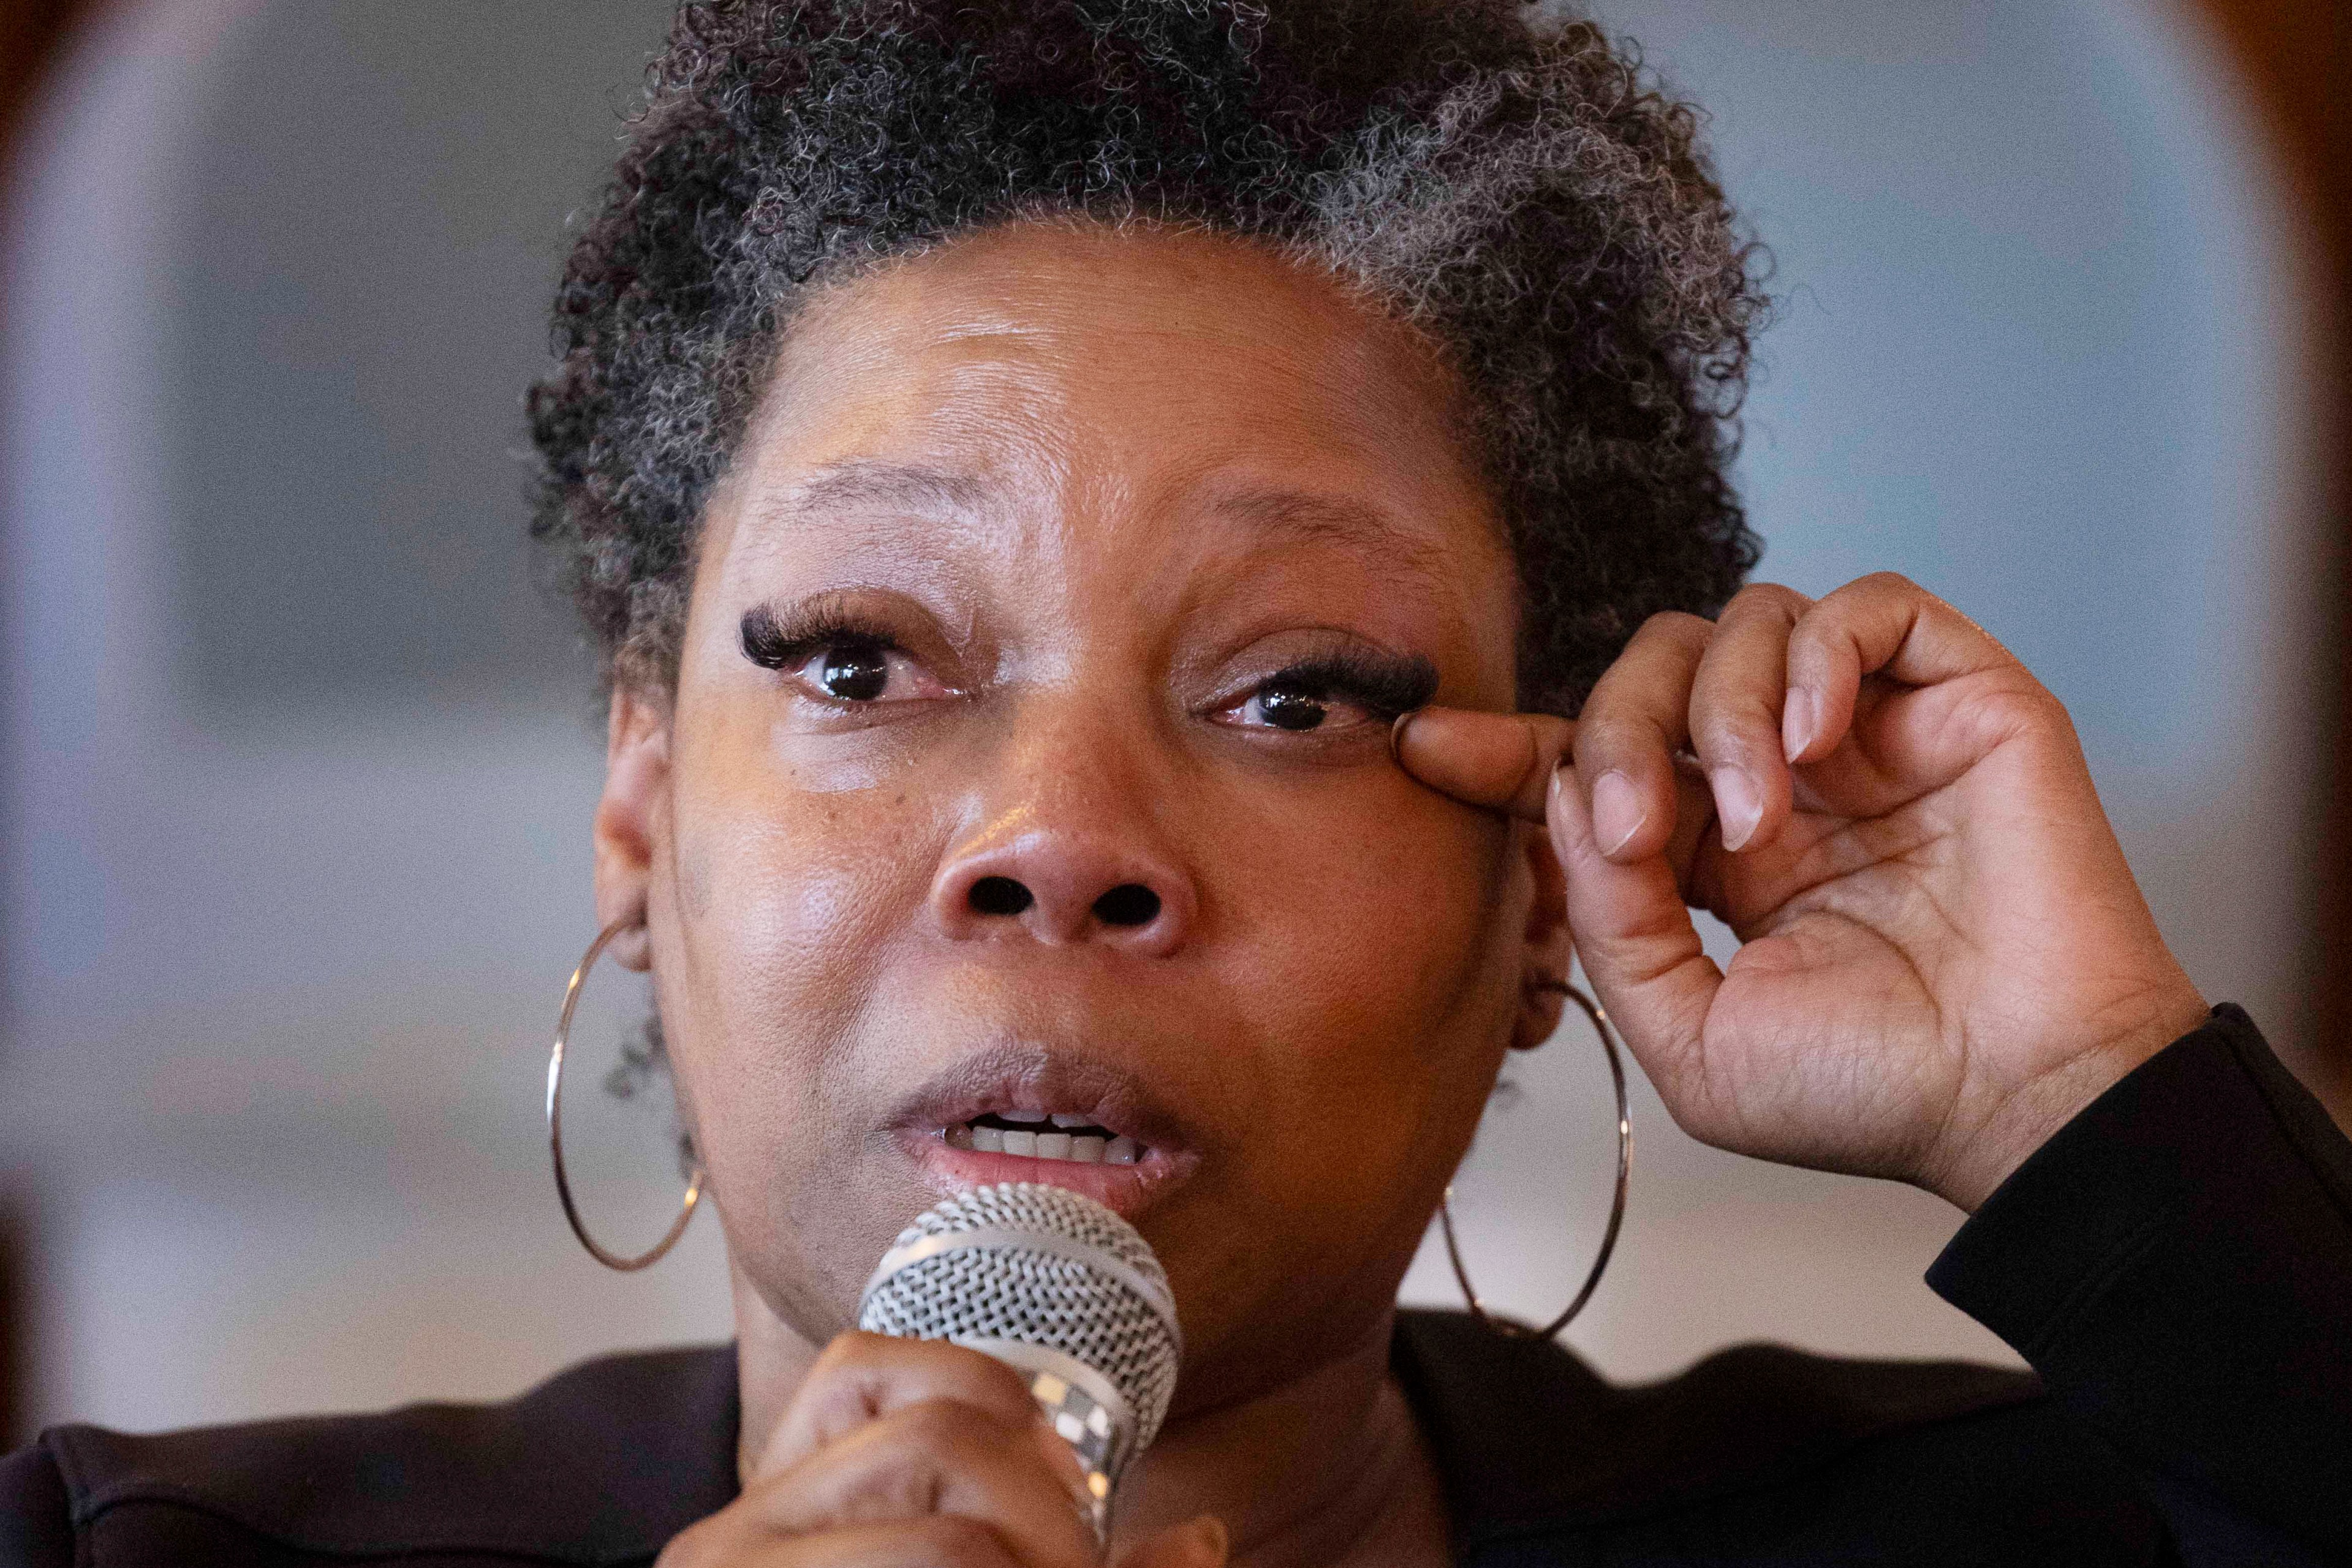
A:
<point x="1059" y="1289"/>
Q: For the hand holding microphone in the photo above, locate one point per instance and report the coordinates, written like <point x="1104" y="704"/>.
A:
<point x="1001" y="1445"/>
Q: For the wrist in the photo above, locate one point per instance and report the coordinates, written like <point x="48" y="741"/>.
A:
<point x="2032" y="1113"/>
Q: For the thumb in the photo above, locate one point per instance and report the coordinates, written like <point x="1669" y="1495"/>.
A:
<point x="1198" y="1542"/>
<point x="1500" y="760"/>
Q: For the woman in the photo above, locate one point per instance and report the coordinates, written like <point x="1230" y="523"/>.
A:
<point x="1096" y="512"/>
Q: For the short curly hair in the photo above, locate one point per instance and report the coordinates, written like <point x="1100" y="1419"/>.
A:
<point x="1514" y="187"/>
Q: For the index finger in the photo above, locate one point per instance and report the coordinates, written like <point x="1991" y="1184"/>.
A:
<point x="862" y="1377"/>
<point x="1879" y="625"/>
<point x="939" y="1457"/>
<point x="1501" y="761"/>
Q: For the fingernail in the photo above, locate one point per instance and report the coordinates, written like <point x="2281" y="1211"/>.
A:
<point x="1800" y="720"/>
<point x="1396" y="735"/>
<point x="1618" y="813"/>
<point x="1739" y="802"/>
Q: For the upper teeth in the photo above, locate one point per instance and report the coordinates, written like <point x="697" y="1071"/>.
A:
<point x="1081" y="1149"/>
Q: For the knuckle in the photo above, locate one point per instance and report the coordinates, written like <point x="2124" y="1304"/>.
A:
<point x="854" y="1348"/>
<point x="1678" y="627"/>
<point x="911" y="1489"/>
<point x="941" y="1422"/>
<point x="2005" y="705"/>
<point x="841" y="1349"/>
<point x="866" y="1365"/>
<point x="1814" y="635"/>
<point x="1649" y="666"/>
<point x="1741" y="684"/>
<point x="1002" y="1381"/>
<point x="1738" y="694"/>
<point x="1776" y="599"/>
<point x="2010" y="691"/>
<point x="1614" y="735"/>
<point x="1724" y="740"/>
<point x="1551" y="735"/>
<point x="981" y="1374"/>
<point x="1888" y="582"/>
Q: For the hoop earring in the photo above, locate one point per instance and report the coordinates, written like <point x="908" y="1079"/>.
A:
<point x="1503" y="1326"/>
<point x="644" y="1260"/>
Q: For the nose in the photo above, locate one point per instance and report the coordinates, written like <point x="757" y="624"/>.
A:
<point x="1063" y="887"/>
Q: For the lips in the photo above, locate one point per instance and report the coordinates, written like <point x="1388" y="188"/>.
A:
<point x="1028" y="1113"/>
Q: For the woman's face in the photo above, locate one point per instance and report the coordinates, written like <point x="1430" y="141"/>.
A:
<point x="1029" y="756"/>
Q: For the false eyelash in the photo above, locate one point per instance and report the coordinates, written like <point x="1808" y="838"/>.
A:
<point x="1386" y="684"/>
<point x="774" y="643"/>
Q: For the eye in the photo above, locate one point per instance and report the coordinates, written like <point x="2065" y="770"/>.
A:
<point x="837" y="661"/>
<point x="860" y="673"/>
<point x="1337" y="693"/>
<point x="1285" y="704"/>
<point x="850" y="675"/>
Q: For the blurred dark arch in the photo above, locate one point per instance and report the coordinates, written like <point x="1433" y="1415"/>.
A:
<point x="2297" y="55"/>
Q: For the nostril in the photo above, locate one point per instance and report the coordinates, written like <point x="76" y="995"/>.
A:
<point x="1128" y="903"/>
<point x="999" y="895"/>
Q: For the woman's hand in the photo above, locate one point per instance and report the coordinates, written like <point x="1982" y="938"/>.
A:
<point x="899" y="1453"/>
<point x="1945" y="957"/>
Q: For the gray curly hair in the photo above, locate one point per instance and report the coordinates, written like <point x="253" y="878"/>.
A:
<point x="1513" y="186"/>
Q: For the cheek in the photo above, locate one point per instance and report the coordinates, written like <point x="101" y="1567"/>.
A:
<point x="789" y="902"/>
<point x="1375" y="945"/>
<point x="787" y="908"/>
<point x="1370" y="909"/>
<point x="1366" y="975"/>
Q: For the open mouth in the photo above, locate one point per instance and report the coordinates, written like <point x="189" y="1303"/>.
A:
<point x="1021" y="1111"/>
<point x="1045" y="1135"/>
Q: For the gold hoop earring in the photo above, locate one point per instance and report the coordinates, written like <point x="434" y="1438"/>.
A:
<point x="1503" y="1326"/>
<point x="647" y="1258"/>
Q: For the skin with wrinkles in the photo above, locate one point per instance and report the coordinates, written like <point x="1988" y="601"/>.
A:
<point x="1083" y="494"/>
<point x="1045" y="462"/>
<point x="1943" y="953"/>
<point x="1508" y="179"/>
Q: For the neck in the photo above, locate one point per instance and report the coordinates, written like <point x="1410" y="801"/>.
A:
<point x="772" y="1362"/>
<point x="1328" y="1468"/>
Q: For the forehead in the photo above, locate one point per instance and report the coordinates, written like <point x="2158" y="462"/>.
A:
<point x="1119" y="371"/>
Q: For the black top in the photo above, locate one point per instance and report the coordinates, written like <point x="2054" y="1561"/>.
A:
<point x="2176" y="1264"/>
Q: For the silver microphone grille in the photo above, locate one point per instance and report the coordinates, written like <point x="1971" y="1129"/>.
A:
<point x="1041" y="1266"/>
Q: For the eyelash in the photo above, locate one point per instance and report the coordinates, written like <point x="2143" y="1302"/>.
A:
<point x="776" y="644"/>
<point x="1384" y="685"/>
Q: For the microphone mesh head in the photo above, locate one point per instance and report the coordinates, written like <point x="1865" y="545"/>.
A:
<point x="1089" y="1288"/>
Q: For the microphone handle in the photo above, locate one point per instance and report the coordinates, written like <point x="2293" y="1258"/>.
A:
<point x="1083" y="1409"/>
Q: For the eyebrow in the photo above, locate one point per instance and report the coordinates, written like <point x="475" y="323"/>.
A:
<point x="867" y="483"/>
<point x="1288" y="516"/>
<point x="1309" y="518"/>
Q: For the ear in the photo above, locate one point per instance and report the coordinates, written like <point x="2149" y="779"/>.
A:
<point x="636" y="788"/>
<point x="1547" y="947"/>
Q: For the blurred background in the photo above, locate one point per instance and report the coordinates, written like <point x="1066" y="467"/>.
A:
<point x="298" y="758"/>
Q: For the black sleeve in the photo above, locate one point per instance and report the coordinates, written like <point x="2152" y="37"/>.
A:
<point x="2177" y="1264"/>
<point x="36" y="1519"/>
